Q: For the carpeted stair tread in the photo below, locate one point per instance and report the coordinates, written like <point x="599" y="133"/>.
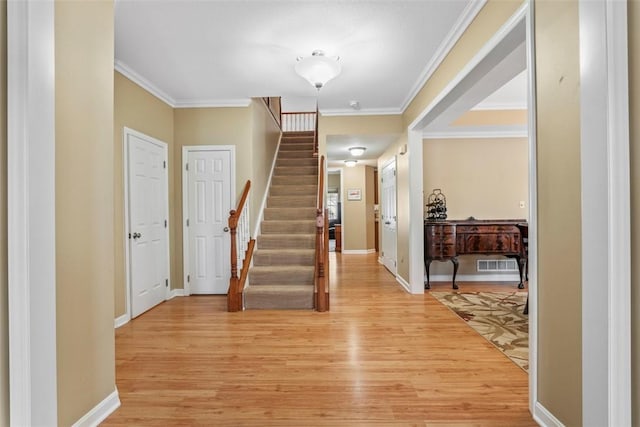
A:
<point x="307" y="226"/>
<point x="281" y="275"/>
<point x="286" y="190"/>
<point x="297" y="154"/>
<point x="295" y="170"/>
<point x="297" y="146"/>
<point x="296" y="162"/>
<point x="297" y="201"/>
<point x="275" y="257"/>
<point x="298" y="180"/>
<point x="289" y="213"/>
<point x="279" y="297"/>
<point x="286" y="241"/>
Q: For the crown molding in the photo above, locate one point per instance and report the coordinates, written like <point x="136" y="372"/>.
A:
<point x="124" y="69"/>
<point x="212" y="103"/>
<point x="364" y="112"/>
<point x="479" y="132"/>
<point x="467" y="16"/>
<point x="495" y="106"/>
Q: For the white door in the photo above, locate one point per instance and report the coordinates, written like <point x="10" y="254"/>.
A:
<point x="147" y="221"/>
<point x="389" y="216"/>
<point x="208" y="206"/>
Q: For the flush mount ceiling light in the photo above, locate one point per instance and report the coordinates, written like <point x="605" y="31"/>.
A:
<point x="318" y="69"/>
<point x="357" y="151"/>
<point x="350" y="163"/>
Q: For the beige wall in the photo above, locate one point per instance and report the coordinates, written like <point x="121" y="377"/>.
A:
<point x="84" y="205"/>
<point x="493" y="15"/>
<point x="354" y="226"/>
<point x="559" y="210"/>
<point x="492" y="117"/>
<point x="209" y="126"/>
<point x="369" y="194"/>
<point x="634" y="111"/>
<point x="4" y="327"/>
<point x="255" y="137"/>
<point x="483" y="178"/>
<point x="137" y="109"/>
<point x="264" y="143"/>
<point x="359" y="239"/>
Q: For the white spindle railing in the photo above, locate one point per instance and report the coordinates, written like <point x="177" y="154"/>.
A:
<point x="298" y="122"/>
<point x="243" y="235"/>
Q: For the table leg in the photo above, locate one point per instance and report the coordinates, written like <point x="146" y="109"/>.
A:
<point x="454" y="260"/>
<point x="427" y="264"/>
<point x="521" y="261"/>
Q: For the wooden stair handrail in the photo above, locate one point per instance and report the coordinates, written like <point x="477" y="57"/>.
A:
<point x="315" y="133"/>
<point x="236" y="284"/>
<point x="322" y="235"/>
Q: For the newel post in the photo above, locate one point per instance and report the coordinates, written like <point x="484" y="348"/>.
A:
<point x="233" y="300"/>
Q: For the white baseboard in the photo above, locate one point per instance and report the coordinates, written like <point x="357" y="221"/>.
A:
<point x="380" y="260"/>
<point x="121" y="320"/>
<point x="545" y="418"/>
<point x="358" y="251"/>
<point x="404" y="284"/>
<point x="175" y="293"/>
<point x="474" y="278"/>
<point x="100" y="412"/>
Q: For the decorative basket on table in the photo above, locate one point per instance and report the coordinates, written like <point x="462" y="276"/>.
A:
<point x="436" y="205"/>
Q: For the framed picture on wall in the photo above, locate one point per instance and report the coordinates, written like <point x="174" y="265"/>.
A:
<point x="354" y="194"/>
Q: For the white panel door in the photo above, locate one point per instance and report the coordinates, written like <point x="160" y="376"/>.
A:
<point x="147" y="202"/>
<point x="389" y="217"/>
<point x="209" y="188"/>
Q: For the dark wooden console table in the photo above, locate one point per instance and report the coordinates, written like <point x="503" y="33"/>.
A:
<point x="445" y="240"/>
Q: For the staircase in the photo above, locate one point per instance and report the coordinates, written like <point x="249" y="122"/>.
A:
<point x="282" y="275"/>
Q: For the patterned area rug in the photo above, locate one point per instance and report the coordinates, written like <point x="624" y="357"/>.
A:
<point x="497" y="316"/>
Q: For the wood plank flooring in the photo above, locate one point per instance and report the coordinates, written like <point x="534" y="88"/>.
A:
<point x="380" y="357"/>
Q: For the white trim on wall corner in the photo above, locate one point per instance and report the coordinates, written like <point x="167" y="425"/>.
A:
<point x="605" y="182"/>
<point x="121" y="320"/>
<point x="100" y="412"/>
<point x="479" y="132"/>
<point x="404" y="284"/>
<point x="363" y="112"/>
<point x="175" y="293"/>
<point x="457" y="30"/>
<point x="124" y="69"/>
<point x="31" y="253"/>
<point x="358" y="251"/>
<point x="545" y="418"/>
<point x="212" y="103"/>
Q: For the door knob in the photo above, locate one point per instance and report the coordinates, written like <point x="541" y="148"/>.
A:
<point x="226" y="229"/>
<point x="137" y="235"/>
<point x="387" y="222"/>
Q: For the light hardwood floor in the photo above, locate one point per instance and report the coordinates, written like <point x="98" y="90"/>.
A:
<point x="380" y="357"/>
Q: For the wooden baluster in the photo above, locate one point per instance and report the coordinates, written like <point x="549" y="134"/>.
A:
<point x="232" y="297"/>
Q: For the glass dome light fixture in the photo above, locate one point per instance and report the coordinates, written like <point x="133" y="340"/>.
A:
<point x="357" y="151"/>
<point x="350" y="163"/>
<point x="318" y="69"/>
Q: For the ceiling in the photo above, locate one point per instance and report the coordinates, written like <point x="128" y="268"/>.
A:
<point x="218" y="53"/>
<point x="215" y="53"/>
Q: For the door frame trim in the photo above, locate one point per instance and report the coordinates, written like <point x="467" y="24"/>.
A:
<point x="31" y="239"/>
<point x="185" y="199"/>
<point x="127" y="255"/>
<point x="606" y="256"/>
<point x="394" y="160"/>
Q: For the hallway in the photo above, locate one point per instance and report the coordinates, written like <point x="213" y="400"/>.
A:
<point x="379" y="357"/>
